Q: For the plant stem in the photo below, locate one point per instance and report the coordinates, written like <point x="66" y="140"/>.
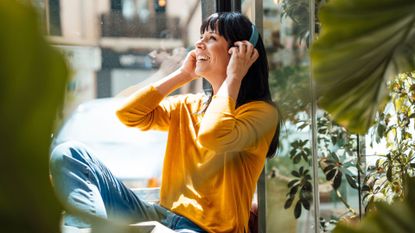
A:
<point x="345" y="202"/>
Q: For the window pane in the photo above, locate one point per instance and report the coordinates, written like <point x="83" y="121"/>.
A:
<point x="111" y="45"/>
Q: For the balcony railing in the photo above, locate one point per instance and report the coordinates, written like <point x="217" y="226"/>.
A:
<point x="114" y="24"/>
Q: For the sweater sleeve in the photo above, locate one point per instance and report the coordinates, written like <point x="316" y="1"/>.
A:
<point x="225" y="129"/>
<point x="147" y="109"/>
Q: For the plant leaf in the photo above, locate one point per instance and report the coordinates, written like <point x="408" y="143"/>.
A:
<point x="33" y="76"/>
<point x="288" y="202"/>
<point x="292" y="182"/>
<point x="301" y="170"/>
<point x="305" y="203"/>
<point x="365" y="188"/>
<point x="351" y="181"/>
<point x="297" y="158"/>
<point x="293" y="190"/>
<point x="297" y="209"/>
<point x="389" y="174"/>
<point x="328" y="168"/>
<point x="337" y="180"/>
<point x="295" y="173"/>
<point x="363" y="44"/>
<point x="330" y="174"/>
<point x="307" y="187"/>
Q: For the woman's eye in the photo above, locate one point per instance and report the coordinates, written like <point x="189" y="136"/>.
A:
<point x="212" y="38"/>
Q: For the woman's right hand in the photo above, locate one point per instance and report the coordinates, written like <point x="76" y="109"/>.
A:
<point x="189" y="65"/>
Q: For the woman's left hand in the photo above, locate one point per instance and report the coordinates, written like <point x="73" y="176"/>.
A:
<point x="243" y="55"/>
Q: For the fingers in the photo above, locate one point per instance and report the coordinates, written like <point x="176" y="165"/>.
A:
<point x="242" y="47"/>
<point x="233" y="50"/>
<point x="189" y="63"/>
<point x="254" y="55"/>
<point x="192" y="54"/>
<point x="245" y="48"/>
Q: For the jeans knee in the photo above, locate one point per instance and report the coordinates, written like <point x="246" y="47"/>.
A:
<point x="66" y="149"/>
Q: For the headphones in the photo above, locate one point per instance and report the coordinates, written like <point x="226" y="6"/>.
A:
<point x="254" y="36"/>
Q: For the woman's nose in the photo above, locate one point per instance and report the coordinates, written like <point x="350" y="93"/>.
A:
<point x="200" y="44"/>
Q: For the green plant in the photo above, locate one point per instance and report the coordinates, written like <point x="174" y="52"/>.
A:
<point x="301" y="184"/>
<point x="337" y="162"/>
<point x="290" y="85"/>
<point x="394" y="128"/>
<point x="32" y="82"/>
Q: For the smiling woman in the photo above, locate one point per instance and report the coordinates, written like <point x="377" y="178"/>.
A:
<point x="216" y="149"/>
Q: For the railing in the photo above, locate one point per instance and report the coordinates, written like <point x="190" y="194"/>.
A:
<point x="114" y="24"/>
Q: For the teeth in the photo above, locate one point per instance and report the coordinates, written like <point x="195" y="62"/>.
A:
<point x="202" y="58"/>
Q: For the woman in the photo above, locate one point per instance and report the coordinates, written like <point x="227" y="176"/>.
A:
<point x="217" y="144"/>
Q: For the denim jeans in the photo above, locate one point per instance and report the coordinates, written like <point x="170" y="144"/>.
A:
<point x="84" y="183"/>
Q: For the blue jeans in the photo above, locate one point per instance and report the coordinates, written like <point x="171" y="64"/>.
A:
<point x="84" y="183"/>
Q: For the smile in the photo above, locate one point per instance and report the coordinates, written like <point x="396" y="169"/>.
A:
<point x="202" y="58"/>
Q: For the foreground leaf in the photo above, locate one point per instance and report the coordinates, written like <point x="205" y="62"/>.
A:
<point x="32" y="81"/>
<point x="363" y="44"/>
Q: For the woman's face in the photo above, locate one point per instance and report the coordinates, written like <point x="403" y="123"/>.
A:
<point x="212" y="56"/>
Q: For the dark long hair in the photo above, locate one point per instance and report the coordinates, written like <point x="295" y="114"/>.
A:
<point x="234" y="26"/>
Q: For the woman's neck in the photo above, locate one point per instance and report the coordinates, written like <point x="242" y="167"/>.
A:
<point x="216" y="84"/>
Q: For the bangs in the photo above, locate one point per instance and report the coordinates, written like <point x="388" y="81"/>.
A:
<point x="210" y="24"/>
<point x="231" y="25"/>
<point x="217" y="23"/>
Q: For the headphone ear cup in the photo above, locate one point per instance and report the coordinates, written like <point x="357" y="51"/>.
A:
<point x="253" y="39"/>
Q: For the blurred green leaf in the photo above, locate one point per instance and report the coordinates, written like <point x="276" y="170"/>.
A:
<point x="363" y="43"/>
<point x="32" y="81"/>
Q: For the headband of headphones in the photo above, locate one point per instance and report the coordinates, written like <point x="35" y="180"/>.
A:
<point x="254" y="36"/>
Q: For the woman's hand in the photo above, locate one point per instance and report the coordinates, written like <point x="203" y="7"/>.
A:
<point x="243" y="55"/>
<point x="189" y="65"/>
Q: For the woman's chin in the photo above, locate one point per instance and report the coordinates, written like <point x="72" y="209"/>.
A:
<point x="199" y="73"/>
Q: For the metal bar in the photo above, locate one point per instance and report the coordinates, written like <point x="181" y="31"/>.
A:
<point x="262" y="201"/>
<point x="359" y="188"/>
<point x="47" y="17"/>
<point x="208" y="7"/>
<point x="314" y="152"/>
<point x="236" y="5"/>
<point x="257" y="13"/>
<point x="223" y="5"/>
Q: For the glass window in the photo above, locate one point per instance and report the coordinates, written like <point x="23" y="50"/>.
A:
<point x="111" y="45"/>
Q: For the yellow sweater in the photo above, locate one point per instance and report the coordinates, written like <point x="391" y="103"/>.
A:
<point x="212" y="162"/>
